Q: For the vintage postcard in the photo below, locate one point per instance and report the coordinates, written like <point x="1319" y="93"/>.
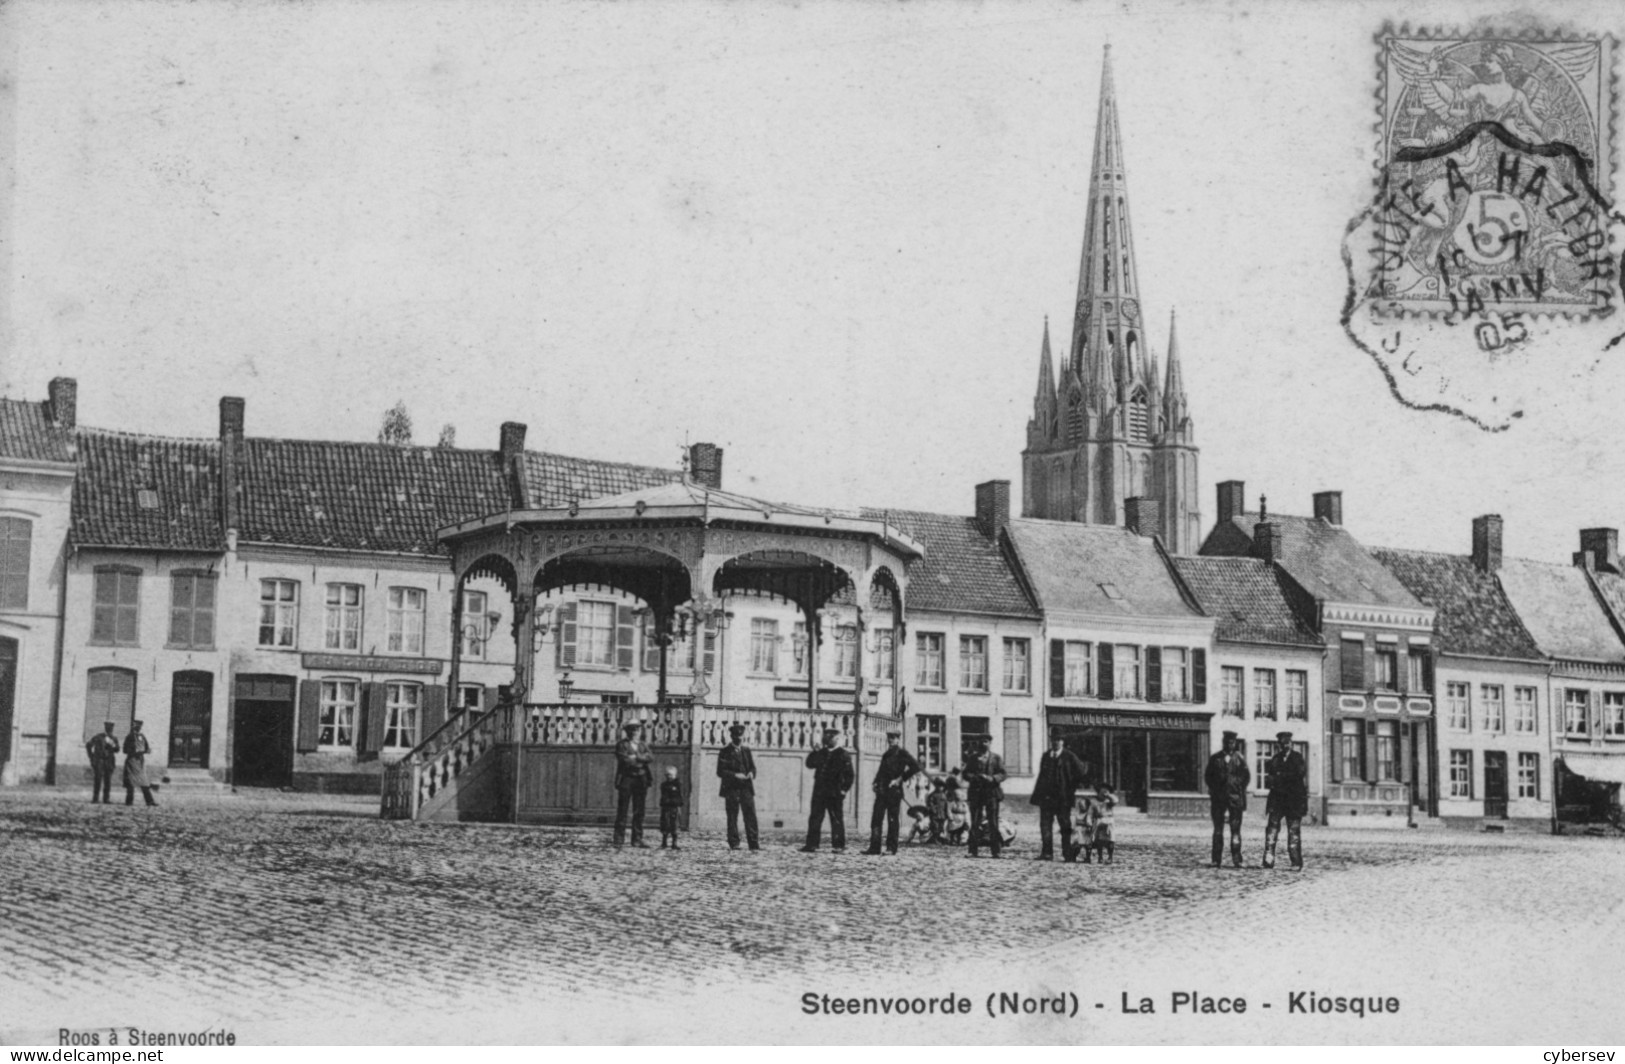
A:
<point x="812" y="523"/>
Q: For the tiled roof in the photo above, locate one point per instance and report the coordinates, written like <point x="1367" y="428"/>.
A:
<point x="1248" y="599"/>
<point x="963" y="571"/>
<point x="1097" y="569"/>
<point x="553" y="479"/>
<point x="146" y="491"/>
<point x="27" y="432"/>
<point x="1612" y="589"/>
<point x="1473" y="614"/>
<point x="1325" y="559"/>
<point x="1558" y="607"/>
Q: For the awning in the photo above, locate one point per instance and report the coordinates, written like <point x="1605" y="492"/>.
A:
<point x="1610" y="768"/>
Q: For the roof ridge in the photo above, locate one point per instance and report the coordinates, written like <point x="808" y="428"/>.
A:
<point x="145" y="437"/>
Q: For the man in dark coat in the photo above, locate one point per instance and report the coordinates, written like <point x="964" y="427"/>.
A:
<point x="1060" y="774"/>
<point x="632" y="779"/>
<point x="136" y="749"/>
<point x="897" y="767"/>
<point x="737" y="771"/>
<point x="103" y="750"/>
<point x="984" y="772"/>
<point x="832" y="778"/>
<point x="1227" y="778"/>
<point x="1287" y="775"/>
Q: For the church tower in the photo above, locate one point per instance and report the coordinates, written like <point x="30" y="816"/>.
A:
<point x="1112" y="424"/>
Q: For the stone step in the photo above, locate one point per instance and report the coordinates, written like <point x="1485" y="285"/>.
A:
<point x="191" y="781"/>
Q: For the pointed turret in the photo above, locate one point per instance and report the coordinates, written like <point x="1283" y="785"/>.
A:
<point x="1042" y="429"/>
<point x="1175" y="408"/>
<point x="1046" y="368"/>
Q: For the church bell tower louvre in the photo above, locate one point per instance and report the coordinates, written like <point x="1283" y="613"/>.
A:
<point x="1112" y="424"/>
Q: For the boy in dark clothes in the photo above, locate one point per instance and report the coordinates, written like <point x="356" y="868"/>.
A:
<point x="671" y="802"/>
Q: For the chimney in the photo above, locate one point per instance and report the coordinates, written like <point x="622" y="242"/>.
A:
<point x="1600" y="549"/>
<point x="64" y="397"/>
<point x="1329" y="507"/>
<point x="1487" y="543"/>
<point x="705" y="465"/>
<point x="512" y="441"/>
<point x="1232" y="500"/>
<point x="1267" y="541"/>
<point x="1143" y="516"/>
<point x="511" y="453"/>
<point x="231" y="464"/>
<point x="992" y="506"/>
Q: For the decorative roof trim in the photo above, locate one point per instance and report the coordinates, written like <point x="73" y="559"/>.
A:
<point x="1383" y="616"/>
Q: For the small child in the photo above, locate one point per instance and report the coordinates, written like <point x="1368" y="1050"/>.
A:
<point x="671" y="803"/>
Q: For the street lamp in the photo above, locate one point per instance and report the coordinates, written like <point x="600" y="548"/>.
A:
<point x="566" y="685"/>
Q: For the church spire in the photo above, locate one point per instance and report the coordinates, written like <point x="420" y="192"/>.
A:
<point x="1175" y="408"/>
<point x="1046" y="368"/>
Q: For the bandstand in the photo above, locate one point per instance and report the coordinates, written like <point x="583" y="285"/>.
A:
<point x="682" y="550"/>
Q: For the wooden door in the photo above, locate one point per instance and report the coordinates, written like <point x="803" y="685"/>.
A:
<point x="191" y="704"/>
<point x="1495" y="784"/>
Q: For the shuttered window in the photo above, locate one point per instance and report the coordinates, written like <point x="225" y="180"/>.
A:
<point x="109" y="696"/>
<point x="116" y="613"/>
<point x="191" y="610"/>
<point x="1352" y="666"/>
<point x="16" y="545"/>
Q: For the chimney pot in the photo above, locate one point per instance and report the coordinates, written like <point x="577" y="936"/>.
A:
<point x="232" y="412"/>
<point x="1329" y="507"/>
<point x="1487" y="543"/>
<point x="64" y="396"/>
<point x="1602" y="546"/>
<point x="511" y="442"/>
<point x="992" y="506"/>
<point x="1232" y="500"/>
<point x="705" y="465"/>
<point x="1267" y="541"/>
<point x="1143" y="516"/>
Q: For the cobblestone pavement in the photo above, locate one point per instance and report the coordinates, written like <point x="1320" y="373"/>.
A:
<point x="300" y="919"/>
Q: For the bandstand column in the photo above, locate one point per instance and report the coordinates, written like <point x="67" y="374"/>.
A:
<point x="524" y="639"/>
<point x="812" y="658"/>
<point x="857" y="717"/>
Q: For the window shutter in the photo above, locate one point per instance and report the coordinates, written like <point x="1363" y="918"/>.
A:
<point x="1335" y="754"/>
<point x="1057" y="668"/>
<point x="489" y="696"/>
<point x="373" y="712"/>
<point x="1198" y="674"/>
<point x="1427" y="672"/>
<point x="1368" y="745"/>
<point x="626" y="638"/>
<point x="180" y="610"/>
<point x="567" y="635"/>
<point x="710" y="661"/>
<point x="129" y="600"/>
<point x="310" y="714"/>
<point x="651" y="648"/>
<point x="1153" y="674"/>
<point x="1352" y="665"/>
<point x="433" y="711"/>
<point x="1107" y="678"/>
<point x="1402" y="670"/>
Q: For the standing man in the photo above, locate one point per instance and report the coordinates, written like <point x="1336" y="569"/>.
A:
<point x="1060" y="774"/>
<point x="897" y="767"/>
<point x="136" y="749"/>
<point x="984" y="772"/>
<point x="1287" y="775"/>
<point x="832" y="778"/>
<point x="737" y="771"/>
<point x="632" y="779"/>
<point x="103" y="750"/>
<point x="1227" y="778"/>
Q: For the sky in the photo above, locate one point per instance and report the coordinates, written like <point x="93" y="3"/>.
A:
<point x="823" y="235"/>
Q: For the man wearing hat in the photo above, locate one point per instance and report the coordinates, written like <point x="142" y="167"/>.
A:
<point x="832" y="778"/>
<point x="103" y="750"/>
<point x="984" y="772"/>
<point x="1287" y="775"/>
<point x="1060" y="774"/>
<point x="632" y="779"/>
<point x="1227" y="778"/>
<point x="897" y="767"/>
<point x="737" y="771"/>
<point x="136" y="749"/>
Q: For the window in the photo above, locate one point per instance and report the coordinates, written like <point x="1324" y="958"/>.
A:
<point x="470" y="698"/>
<point x="928" y="667"/>
<point x="477" y="624"/>
<point x="116" y="617"/>
<point x="764" y="646"/>
<point x="1492" y="707"/>
<point x="1576" y="713"/>
<point x="1461" y="773"/>
<point x="109" y="696"/>
<point x="1230" y="691"/>
<point x="343" y="627"/>
<point x="1352" y="662"/>
<point x="1018" y="747"/>
<point x="1351" y="749"/>
<point x="1264" y="694"/>
<point x="1079" y="670"/>
<point x="885" y="654"/>
<point x="191" y="610"/>
<point x="846" y="652"/>
<point x="1613" y="715"/>
<point x="401" y="714"/>
<point x="928" y="741"/>
<point x="279" y="613"/>
<point x="1419" y="675"/>
<point x="1018" y="666"/>
<point x="798" y="649"/>
<point x="1297" y="694"/>
<point x="970" y="726"/>
<point x="1126" y="671"/>
<point x="337" y="721"/>
<point x="972" y="663"/>
<point x="1523" y="710"/>
<point x="1528" y="775"/>
<point x="1387" y="670"/>
<point x="595" y="633"/>
<point x="1264" y="749"/>
<point x="405" y="620"/>
<point x="1387" y="751"/>
<point x="1457" y="711"/>
<point x="1175" y="674"/>
<point x="16" y="537"/>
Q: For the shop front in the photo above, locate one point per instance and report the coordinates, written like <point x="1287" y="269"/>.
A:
<point x="1151" y="760"/>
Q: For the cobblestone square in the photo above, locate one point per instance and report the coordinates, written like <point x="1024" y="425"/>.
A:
<point x="300" y="919"/>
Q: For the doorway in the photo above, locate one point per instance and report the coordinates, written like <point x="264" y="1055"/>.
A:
<point x="1495" y="784"/>
<point x="262" y="732"/>
<point x="191" y="705"/>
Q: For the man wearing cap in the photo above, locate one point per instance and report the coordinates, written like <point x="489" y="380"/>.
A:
<point x="1227" y="778"/>
<point x="737" y="771"/>
<point x="897" y="767"/>
<point x="632" y="779"/>
<point x="1060" y="774"/>
<point x="1287" y="775"/>
<point x="832" y="778"/>
<point x="103" y="750"/>
<point x="136" y="749"/>
<point x="984" y="772"/>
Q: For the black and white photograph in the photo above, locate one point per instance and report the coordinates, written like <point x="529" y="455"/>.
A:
<point x="814" y="523"/>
